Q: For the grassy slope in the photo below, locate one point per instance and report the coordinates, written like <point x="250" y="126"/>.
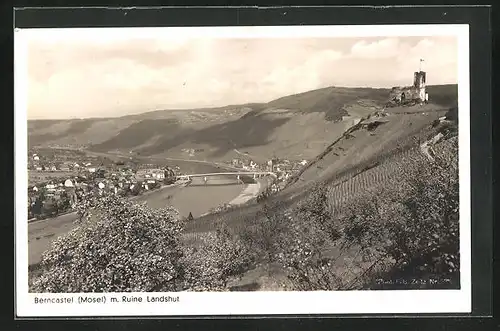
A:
<point x="261" y="130"/>
<point x="343" y="163"/>
<point x="362" y="145"/>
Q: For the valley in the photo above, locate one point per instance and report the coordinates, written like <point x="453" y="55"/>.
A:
<point x="352" y="142"/>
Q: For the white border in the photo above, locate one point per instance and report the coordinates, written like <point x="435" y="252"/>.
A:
<point x="251" y="303"/>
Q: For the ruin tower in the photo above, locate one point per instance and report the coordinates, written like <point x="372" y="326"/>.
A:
<point x="419" y="83"/>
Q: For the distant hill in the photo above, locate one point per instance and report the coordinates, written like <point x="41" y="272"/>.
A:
<point x="296" y="126"/>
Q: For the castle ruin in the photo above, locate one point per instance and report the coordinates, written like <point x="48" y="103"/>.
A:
<point x="411" y="94"/>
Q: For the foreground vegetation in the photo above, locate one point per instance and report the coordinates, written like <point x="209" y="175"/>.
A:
<point x="404" y="233"/>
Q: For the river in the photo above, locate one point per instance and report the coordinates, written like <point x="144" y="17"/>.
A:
<point x="197" y="198"/>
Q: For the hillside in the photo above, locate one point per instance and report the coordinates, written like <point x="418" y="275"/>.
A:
<point x="401" y="129"/>
<point x="362" y="158"/>
<point x="355" y="145"/>
<point x="258" y="130"/>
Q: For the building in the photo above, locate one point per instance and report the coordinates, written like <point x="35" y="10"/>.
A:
<point x="158" y="174"/>
<point x="68" y="183"/>
<point x="415" y="93"/>
<point x="50" y="187"/>
<point x="269" y="166"/>
<point x="65" y="167"/>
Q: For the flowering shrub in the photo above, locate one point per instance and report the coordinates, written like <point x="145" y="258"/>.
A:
<point x="120" y="246"/>
<point x="219" y="257"/>
<point x="117" y="247"/>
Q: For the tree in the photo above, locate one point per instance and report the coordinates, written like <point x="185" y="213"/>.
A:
<point x="219" y="257"/>
<point x="169" y="180"/>
<point x="405" y="228"/>
<point x="424" y="229"/>
<point x="305" y="247"/>
<point x="49" y="207"/>
<point x="36" y="209"/>
<point x="63" y="203"/>
<point x="263" y="233"/>
<point x="136" y="189"/>
<point x="154" y="185"/>
<point x="118" y="246"/>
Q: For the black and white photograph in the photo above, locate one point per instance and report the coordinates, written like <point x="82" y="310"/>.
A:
<point x="254" y="165"/>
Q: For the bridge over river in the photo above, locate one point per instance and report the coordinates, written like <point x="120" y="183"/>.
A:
<point x="198" y="197"/>
<point x="239" y="174"/>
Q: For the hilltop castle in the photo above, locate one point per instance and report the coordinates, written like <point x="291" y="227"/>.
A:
<point x="411" y="94"/>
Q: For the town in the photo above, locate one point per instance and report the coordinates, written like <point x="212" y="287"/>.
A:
<point x="59" y="178"/>
<point x="58" y="181"/>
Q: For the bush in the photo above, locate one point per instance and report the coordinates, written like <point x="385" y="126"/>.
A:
<point x="313" y="246"/>
<point x="121" y="247"/>
<point x="413" y="223"/>
<point x="219" y="257"/>
<point x="406" y="230"/>
<point x="263" y="233"/>
<point x="424" y="229"/>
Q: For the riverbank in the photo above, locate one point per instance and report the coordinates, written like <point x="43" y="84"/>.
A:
<point x="131" y="198"/>
<point x="250" y="192"/>
<point x="196" y="199"/>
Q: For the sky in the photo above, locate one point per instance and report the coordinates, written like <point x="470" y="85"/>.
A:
<point x="75" y="77"/>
